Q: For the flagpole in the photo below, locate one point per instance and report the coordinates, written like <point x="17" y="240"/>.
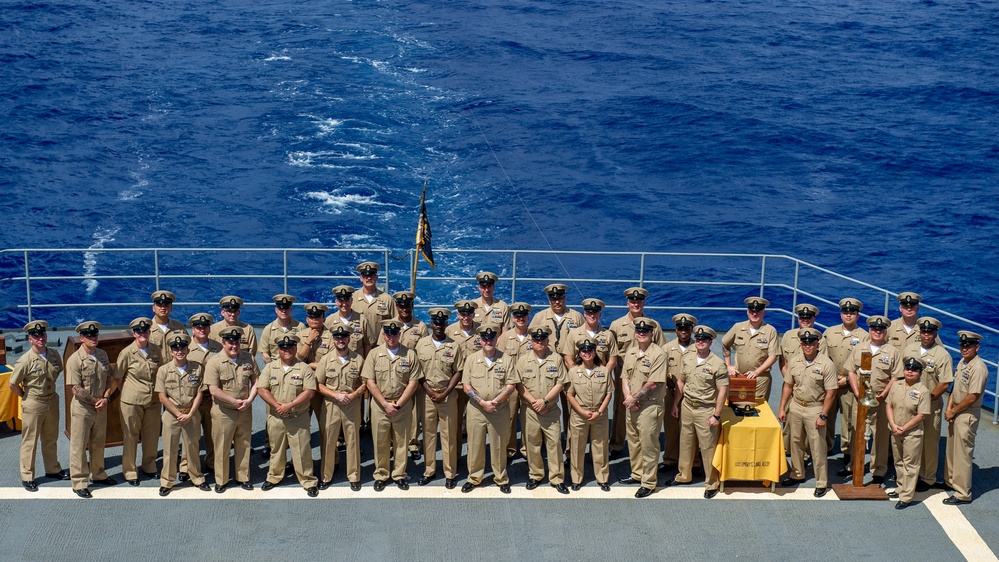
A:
<point x="419" y="239"/>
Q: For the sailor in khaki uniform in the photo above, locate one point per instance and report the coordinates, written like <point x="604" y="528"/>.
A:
<point x="231" y="377"/>
<point x="284" y="324"/>
<point x="589" y="396"/>
<point x="886" y="366"/>
<point x="442" y="362"/>
<point x="514" y="343"/>
<point x="363" y="334"/>
<point x="542" y="378"/>
<point x="489" y="379"/>
<point x="938" y="373"/>
<point x="841" y="340"/>
<point x="755" y="344"/>
<point x="903" y="331"/>
<point x="373" y="303"/>
<point x="314" y="341"/>
<point x="790" y="346"/>
<point x="676" y="351"/>
<point x="140" y="407"/>
<point x="413" y="330"/>
<point x="591" y="329"/>
<point x="34" y="381"/>
<point x="907" y="404"/>
<point x="557" y="316"/>
<point x="231" y="307"/>
<point x="339" y="381"/>
<point x="964" y="410"/>
<point x="488" y="307"/>
<point x="809" y="394"/>
<point x="703" y="389"/>
<point x="287" y="385"/>
<point x="179" y="388"/>
<point x="200" y="351"/>
<point x="643" y="382"/>
<point x="624" y="332"/>
<point x="88" y="373"/>
<point x="162" y="323"/>
<point x="463" y="330"/>
<point x="392" y="373"/>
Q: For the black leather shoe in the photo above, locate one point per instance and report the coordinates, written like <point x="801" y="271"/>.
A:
<point x="183" y="477"/>
<point x="902" y="505"/>
<point x="467" y="487"/>
<point x="449" y="483"/>
<point x="379" y="485"/>
<point x="415" y="455"/>
<point x="29" y="485"/>
<point x="893" y="495"/>
<point x="532" y="483"/>
<point x="605" y="487"/>
<point x="505" y="488"/>
<point x="629" y="480"/>
<point x="560" y="488"/>
<point x="355" y="486"/>
<point x="425" y="480"/>
<point x="941" y="486"/>
<point x="267" y="486"/>
<point x="708" y="494"/>
<point x="820" y="492"/>
<point x="150" y="474"/>
<point x="219" y="489"/>
<point x="133" y="482"/>
<point x="616" y="454"/>
<point x="402" y="484"/>
<point x="341" y="446"/>
<point x="84" y="493"/>
<point x="954" y="501"/>
<point x="643" y="492"/>
<point x="204" y="487"/>
<point x="106" y="481"/>
<point x="164" y="491"/>
<point x="246" y="486"/>
<point x="877" y="480"/>
<point x="313" y="491"/>
<point x="576" y="487"/>
<point x="922" y="486"/>
<point x="788" y="482"/>
<point x="61" y="475"/>
<point x="845" y="471"/>
<point x="324" y="485"/>
<point x="266" y="451"/>
<point x="676" y="482"/>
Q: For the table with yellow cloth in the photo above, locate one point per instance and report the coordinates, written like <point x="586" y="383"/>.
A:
<point x="750" y="448"/>
<point x="10" y="403"/>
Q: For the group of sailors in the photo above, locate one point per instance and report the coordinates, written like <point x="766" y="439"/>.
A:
<point x="481" y="374"/>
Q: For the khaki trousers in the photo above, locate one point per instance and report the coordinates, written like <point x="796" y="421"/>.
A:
<point x="908" y="454"/>
<point x="960" y="450"/>
<point x="391" y="437"/>
<point x="291" y="433"/>
<point x="643" y="442"/>
<point x="174" y="434"/>
<point x="511" y="447"/>
<point x="140" y="423"/>
<point x="444" y="418"/>
<point x="618" y="422"/>
<point x="694" y="430"/>
<point x="419" y="401"/>
<point x="805" y="437"/>
<point x="87" y="433"/>
<point x="877" y="421"/>
<point x="544" y="429"/>
<point x="496" y="425"/>
<point x="847" y="419"/>
<point x="931" y="442"/>
<point x="231" y="428"/>
<point x="348" y="419"/>
<point x="205" y="412"/>
<point x="39" y="421"/>
<point x="596" y="432"/>
<point x="763" y="384"/>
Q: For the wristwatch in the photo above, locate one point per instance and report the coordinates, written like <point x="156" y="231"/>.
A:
<point x="717" y="417"/>
<point x="823" y="417"/>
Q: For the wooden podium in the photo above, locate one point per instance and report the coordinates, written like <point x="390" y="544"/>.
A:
<point x="112" y="343"/>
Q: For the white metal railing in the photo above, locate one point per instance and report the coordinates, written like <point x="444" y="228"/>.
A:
<point x="40" y="281"/>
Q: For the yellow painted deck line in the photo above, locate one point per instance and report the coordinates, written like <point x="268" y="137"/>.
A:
<point x="959" y="529"/>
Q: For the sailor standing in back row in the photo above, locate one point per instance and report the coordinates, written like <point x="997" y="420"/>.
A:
<point x="88" y="373"/>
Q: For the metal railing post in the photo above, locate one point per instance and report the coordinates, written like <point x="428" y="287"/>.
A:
<point x="513" y="283"/>
<point x="794" y="299"/>
<point x="641" y="271"/>
<point x="27" y="285"/>
<point x="285" y="253"/>
<point x="763" y="276"/>
<point x="156" y="268"/>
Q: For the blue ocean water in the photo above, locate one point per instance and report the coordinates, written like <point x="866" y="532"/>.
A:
<point x="859" y="136"/>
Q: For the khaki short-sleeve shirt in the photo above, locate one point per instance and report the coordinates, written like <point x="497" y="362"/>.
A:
<point x="36" y="374"/>
<point x="938" y="365"/>
<point x="392" y="374"/>
<point x="840" y="346"/>
<point x="285" y="384"/>
<point x="970" y="378"/>
<point x="701" y="382"/>
<point x="591" y="388"/>
<point x="181" y="387"/>
<point x="886" y="364"/>
<point x="540" y="376"/>
<point x="909" y="401"/>
<point x="439" y="361"/>
<point x="233" y="377"/>
<point x="138" y="370"/>
<point x="640" y="368"/>
<point x="340" y="375"/>
<point x="91" y="372"/>
<point x="604" y="338"/>
<point x="488" y="380"/>
<point x="751" y="350"/>
<point x="811" y="380"/>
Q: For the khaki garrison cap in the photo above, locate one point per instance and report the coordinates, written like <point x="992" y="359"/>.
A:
<point x="36" y="327"/>
<point x="231" y="333"/>
<point x="756" y="303"/>
<point x="520" y="309"/>
<point x="201" y="319"/>
<point x="315" y="309"/>
<point x="636" y="293"/>
<point x="965" y="336"/>
<point x="89" y="328"/>
<point x="164" y="297"/>
<point x="928" y="323"/>
<point x="368" y="267"/>
<point x="684" y="319"/>
<point x="850" y="305"/>
<point x="593" y="305"/>
<point x="809" y="335"/>
<point x="909" y="298"/>
<point x="140" y="323"/>
<point x="178" y="338"/>
<point x="283" y="299"/>
<point x="487" y="277"/>
<point x="806" y="311"/>
<point x="231" y="302"/>
<point x="878" y="322"/>
<point x="704" y="333"/>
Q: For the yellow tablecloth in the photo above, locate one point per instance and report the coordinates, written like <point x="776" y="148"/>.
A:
<point x="10" y="404"/>
<point x="750" y="448"/>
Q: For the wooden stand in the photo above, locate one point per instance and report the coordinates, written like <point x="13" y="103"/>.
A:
<point x="856" y="490"/>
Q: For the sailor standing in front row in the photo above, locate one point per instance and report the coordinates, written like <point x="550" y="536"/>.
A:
<point x="231" y="377"/>
<point x="808" y="397"/>
<point x="908" y="403"/>
<point x="88" y="372"/>
<point x="34" y="380"/>
<point x="964" y="410"/>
